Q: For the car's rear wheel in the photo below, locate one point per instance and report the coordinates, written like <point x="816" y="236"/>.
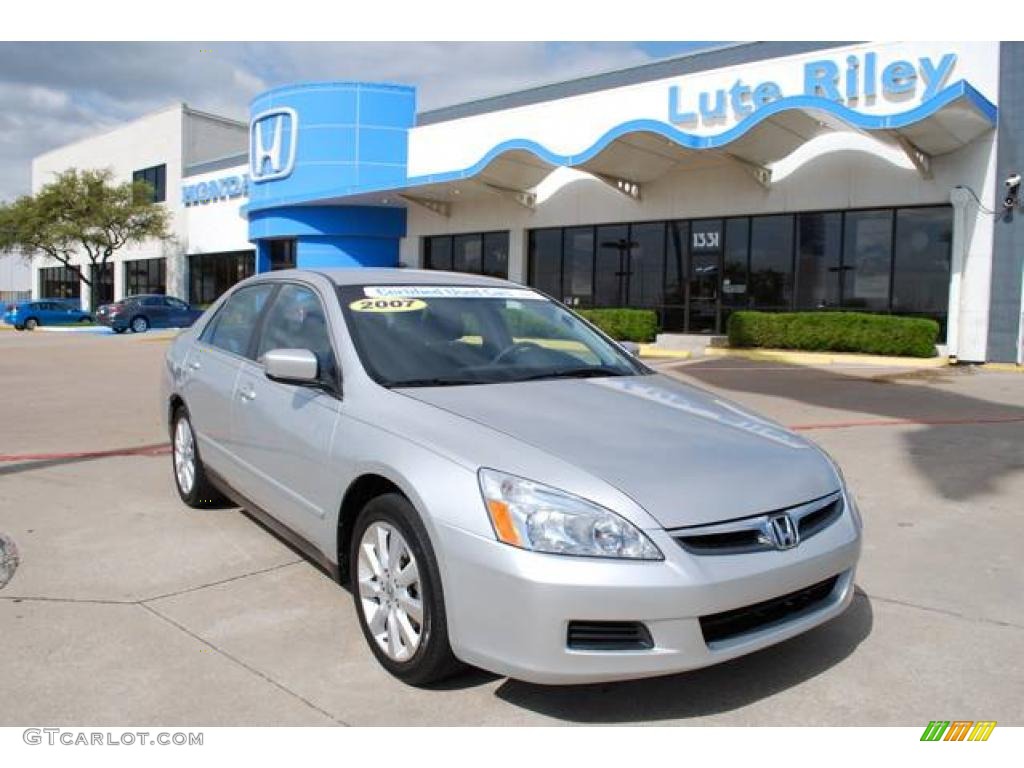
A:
<point x="140" y="324"/>
<point x="31" y="324"/>
<point x="193" y="485"/>
<point x="397" y="592"/>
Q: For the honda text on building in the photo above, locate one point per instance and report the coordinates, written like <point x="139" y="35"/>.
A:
<point x="500" y="483"/>
<point x="876" y="177"/>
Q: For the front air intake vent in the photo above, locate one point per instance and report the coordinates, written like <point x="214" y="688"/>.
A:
<point x="609" y="636"/>
<point x="730" y="624"/>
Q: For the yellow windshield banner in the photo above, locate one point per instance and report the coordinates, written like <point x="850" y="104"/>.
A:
<point x="392" y="304"/>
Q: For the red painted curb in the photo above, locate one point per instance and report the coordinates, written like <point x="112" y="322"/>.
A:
<point x="905" y="422"/>
<point x="156" y="449"/>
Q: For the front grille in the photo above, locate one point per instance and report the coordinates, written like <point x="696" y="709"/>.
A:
<point x="730" y="624"/>
<point x="750" y="534"/>
<point x="609" y="636"/>
<point x="726" y="543"/>
<point x="820" y="519"/>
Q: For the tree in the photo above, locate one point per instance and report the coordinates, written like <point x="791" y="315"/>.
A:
<point x="82" y="212"/>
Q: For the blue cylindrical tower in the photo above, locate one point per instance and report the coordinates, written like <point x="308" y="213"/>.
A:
<point x="315" y="143"/>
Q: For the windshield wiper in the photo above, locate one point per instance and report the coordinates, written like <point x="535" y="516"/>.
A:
<point x="436" y="381"/>
<point x="574" y="373"/>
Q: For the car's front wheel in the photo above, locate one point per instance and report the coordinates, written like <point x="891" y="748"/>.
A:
<point x="31" y="324"/>
<point x="140" y="324"/>
<point x="397" y="590"/>
<point x="193" y="485"/>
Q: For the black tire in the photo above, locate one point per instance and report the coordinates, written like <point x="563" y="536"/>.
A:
<point x="139" y="324"/>
<point x="202" y="493"/>
<point x="119" y="330"/>
<point x="19" y="327"/>
<point x="433" y="660"/>
<point x="31" y="324"/>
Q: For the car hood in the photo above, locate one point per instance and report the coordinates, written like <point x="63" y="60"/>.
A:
<point x="684" y="455"/>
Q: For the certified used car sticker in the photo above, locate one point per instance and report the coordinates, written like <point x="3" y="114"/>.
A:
<point x="449" y="292"/>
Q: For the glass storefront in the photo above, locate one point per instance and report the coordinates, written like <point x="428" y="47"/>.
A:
<point x="480" y="253"/>
<point x="695" y="273"/>
<point x="59" y="283"/>
<point x="145" y="276"/>
<point x="211" y="274"/>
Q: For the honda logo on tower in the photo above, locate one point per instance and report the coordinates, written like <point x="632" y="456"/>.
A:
<point x="272" y="140"/>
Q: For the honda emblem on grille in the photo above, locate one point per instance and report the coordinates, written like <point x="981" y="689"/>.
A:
<point x="780" y="532"/>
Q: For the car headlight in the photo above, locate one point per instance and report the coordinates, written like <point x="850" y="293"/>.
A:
<point x="543" y="519"/>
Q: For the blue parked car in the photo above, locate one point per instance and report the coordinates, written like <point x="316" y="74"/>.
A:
<point x="28" y="315"/>
<point x="142" y="312"/>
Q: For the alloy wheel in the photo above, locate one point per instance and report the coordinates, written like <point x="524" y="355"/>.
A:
<point x="184" y="456"/>
<point x="390" y="591"/>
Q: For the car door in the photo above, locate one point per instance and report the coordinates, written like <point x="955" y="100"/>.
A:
<point x="284" y="431"/>
<point x="156" y="311"/>
<point x="211" y="372"/>
<point x="178" y="314"/>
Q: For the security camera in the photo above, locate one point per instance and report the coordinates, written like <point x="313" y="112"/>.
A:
<point x="1012" y="190"/>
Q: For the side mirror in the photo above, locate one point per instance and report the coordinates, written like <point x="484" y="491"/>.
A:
<point x="293" y="366"/>
<point x="631" y="347"/>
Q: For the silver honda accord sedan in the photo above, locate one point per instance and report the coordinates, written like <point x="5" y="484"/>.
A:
<point x="500" y="483"/>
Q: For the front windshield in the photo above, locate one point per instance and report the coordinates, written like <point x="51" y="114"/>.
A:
<point x="432" y="335"/>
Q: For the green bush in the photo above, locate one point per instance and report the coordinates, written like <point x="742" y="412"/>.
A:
<point x="835" y="332"/>
<point x="639" y="325"/>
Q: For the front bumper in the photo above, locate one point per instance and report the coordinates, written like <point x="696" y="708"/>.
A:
<point x="509" y="609"/>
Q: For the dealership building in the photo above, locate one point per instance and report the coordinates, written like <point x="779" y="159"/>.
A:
<point x="776" y="176"/>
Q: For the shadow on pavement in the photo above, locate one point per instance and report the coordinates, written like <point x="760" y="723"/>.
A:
<point x="989" y="433"/>
<point x="703" y="692"/>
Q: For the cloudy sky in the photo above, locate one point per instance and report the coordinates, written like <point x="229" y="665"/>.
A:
<point x="54" y="93"/>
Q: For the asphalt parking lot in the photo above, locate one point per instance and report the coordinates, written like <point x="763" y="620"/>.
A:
<point x="129" y="608"/>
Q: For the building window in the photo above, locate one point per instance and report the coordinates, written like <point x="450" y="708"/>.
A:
<point x="771" y="262"/>
<point x="59" y="283"/>
<point x="156" y="178"/>
<point x="211" y="274"/>
<point x="921" y="264"/>
<point x="282" y="254"/>
<point x="819" y="244"/>
<point x="546" y="261"/>
<point x="867" y="260"/>
<point x="480" y="253"/>
<point x="145" y="276"/>
<point x="102" y="277"/>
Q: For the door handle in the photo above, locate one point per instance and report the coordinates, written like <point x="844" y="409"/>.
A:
<point x="247" y="393"/>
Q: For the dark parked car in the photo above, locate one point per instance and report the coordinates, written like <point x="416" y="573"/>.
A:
<point x="26" y="315"/>
<point x="145" y="311"/>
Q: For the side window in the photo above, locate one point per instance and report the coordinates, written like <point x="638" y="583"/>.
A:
<point x="153" y="301"/>
<point x="296" y="320"/>
<point x="231" y="330"/>
<point x="175" y="303"/>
